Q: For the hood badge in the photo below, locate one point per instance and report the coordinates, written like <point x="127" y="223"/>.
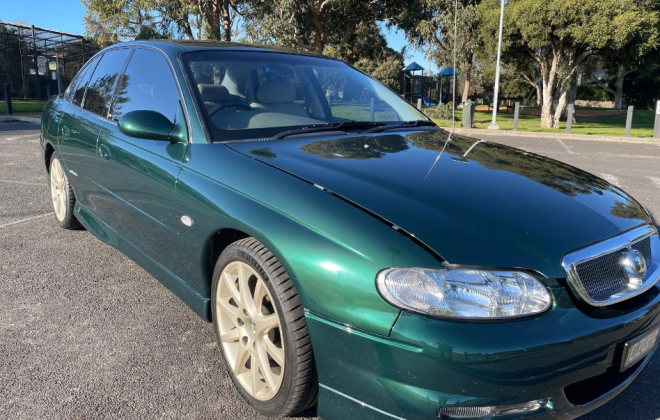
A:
<point x="634" y="265"/>
<point x="187" y="221"/>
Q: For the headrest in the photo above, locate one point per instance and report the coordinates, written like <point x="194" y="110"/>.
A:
<point x="213" y="93"/>
<point x="276" y="92"/>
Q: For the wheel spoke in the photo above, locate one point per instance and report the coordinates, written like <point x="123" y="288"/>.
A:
<point x="246" y="297"/>
<point x="266" y="323"/>
<point x="231" y="285"/>
<point x="241" y="358"/>
<point x="268" y="374"/>
<point x="275" y="352"/>
<point x="231" y="336"/>
<point x="229" y="309"/>
<point x="260" y="292"/>
<point x="255" y="366"/>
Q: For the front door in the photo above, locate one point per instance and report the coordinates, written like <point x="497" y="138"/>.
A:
<point x="141" y="174"/>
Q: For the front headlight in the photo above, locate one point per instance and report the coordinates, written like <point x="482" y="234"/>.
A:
<point x="464" y="292"/>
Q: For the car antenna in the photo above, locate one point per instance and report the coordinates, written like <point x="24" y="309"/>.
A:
<point x="453" y="98"/>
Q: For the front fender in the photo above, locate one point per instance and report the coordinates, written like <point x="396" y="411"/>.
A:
<point x="331" y="250"/>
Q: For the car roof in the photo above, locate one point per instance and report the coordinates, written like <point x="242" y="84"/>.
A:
<point x="175" y="46"/>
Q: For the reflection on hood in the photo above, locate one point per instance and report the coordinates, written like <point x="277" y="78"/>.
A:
<point x="472" y="202"/>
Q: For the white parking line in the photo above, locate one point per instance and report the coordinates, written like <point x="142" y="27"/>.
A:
<point x="565" y="147"/>
<point x="612" y="180"/>
<point x="19" y="137"/>
<point x="655" y="180"/>
<point x="23" y="182"/>
<point x="25" y="220"/>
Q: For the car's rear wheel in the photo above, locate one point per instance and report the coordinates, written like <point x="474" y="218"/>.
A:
<point x="261" y="330"/>
<point x="61" y="195"/>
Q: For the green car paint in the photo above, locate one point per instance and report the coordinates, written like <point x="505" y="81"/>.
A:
<point x="336" y="210"/>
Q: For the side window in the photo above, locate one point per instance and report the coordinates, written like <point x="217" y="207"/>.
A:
<point x="147" y="84"/>
<point x="81" y="83"/>
<point x="101" y="86"/>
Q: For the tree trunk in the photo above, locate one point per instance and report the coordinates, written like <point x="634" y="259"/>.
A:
<point x="549" y="79"/>
<point x="567" y="95"/>
<point x="225" y="17"/>
<point x="350" y="49"/>
<point x="467" y="69"/>
<point x="319" y="40"/>
<point x="618" y="86"/>
<point x="212" y="19"/>
<point x="548" y="110"/>
<point x="319" y="28"/>
<point x="538" y="94"/>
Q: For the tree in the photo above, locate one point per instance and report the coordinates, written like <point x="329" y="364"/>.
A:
<point x="561" y="34"/>
<point x="113" y="21"/>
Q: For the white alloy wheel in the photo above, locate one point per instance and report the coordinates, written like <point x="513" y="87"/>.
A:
<point x="58" y="189"/>
<point x="250" y="331"/>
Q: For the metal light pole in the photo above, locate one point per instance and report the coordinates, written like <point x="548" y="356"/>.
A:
<point x="493" y="125"/>
<point x="453" y="94"/>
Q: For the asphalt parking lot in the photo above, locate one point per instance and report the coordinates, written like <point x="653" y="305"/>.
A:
<point x="85" y="333"/>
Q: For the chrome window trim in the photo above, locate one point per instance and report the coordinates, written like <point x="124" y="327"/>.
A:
<point x="571" y="260"/>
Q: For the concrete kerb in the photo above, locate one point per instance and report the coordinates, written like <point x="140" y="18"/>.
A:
<point x="475" y="132"/>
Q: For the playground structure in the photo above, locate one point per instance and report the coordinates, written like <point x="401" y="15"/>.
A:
<point x="431" y="89"/>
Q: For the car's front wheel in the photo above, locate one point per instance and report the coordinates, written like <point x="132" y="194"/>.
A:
<point x="61" y="195"/>
<point x="261" y="330"/>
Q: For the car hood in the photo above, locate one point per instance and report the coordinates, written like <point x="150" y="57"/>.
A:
<point x="472" y="202"/>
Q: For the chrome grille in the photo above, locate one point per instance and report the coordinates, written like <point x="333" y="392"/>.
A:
<point x="596" y="273"/>
<point x="604" y="276"/>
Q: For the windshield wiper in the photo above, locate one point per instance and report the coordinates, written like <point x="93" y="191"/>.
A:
<point x="407" y="124"/>
<point x="342" y="126"/>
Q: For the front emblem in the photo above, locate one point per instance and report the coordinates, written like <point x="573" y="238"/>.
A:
<point x="634" y="264"/>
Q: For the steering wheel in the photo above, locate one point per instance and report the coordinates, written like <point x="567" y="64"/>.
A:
<point x="236" y="104"/>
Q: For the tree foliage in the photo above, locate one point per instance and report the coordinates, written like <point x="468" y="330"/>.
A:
<point x="111" y="21"/>
<point x="312" y="25"/>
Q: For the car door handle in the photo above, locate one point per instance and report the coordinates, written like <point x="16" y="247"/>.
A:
<point x="104" y="152"/>
<point x="65" y="132"/>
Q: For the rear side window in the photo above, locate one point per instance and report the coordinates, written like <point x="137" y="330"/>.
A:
<point x="147" y="84"/>
<point x="79" y="89"/>
<point x="101" y="86"/>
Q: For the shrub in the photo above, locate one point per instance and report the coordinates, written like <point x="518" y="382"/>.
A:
<point x="440" y="112"/>
<point x="593" y="93"/>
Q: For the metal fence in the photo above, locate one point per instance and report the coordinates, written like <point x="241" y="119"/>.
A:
<point x="30" y="58"/>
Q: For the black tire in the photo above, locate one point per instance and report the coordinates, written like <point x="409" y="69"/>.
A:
<point x="299" y="389"/>
<point x="68" y="220"/>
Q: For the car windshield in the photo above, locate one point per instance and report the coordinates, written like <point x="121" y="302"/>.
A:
<point x="249" y="95"/>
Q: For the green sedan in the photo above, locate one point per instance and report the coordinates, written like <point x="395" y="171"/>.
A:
<point x="349" y="253"/>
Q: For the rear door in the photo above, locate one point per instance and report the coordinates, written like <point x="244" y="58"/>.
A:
<point x="77" y="137"/>
<point x="87" y="113"/>
<point x="141" y="174"/>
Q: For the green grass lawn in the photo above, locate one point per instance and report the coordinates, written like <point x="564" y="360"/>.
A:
<point x="24" y="107"/>
<point x="614" y="125"/>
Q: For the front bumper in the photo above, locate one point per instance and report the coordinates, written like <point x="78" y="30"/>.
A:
<point x="568" y="354"/>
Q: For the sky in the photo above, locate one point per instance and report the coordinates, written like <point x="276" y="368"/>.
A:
<point x="67" y="16"/>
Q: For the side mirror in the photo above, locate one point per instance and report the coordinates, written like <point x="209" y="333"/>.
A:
<point x="146" y="125"/>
